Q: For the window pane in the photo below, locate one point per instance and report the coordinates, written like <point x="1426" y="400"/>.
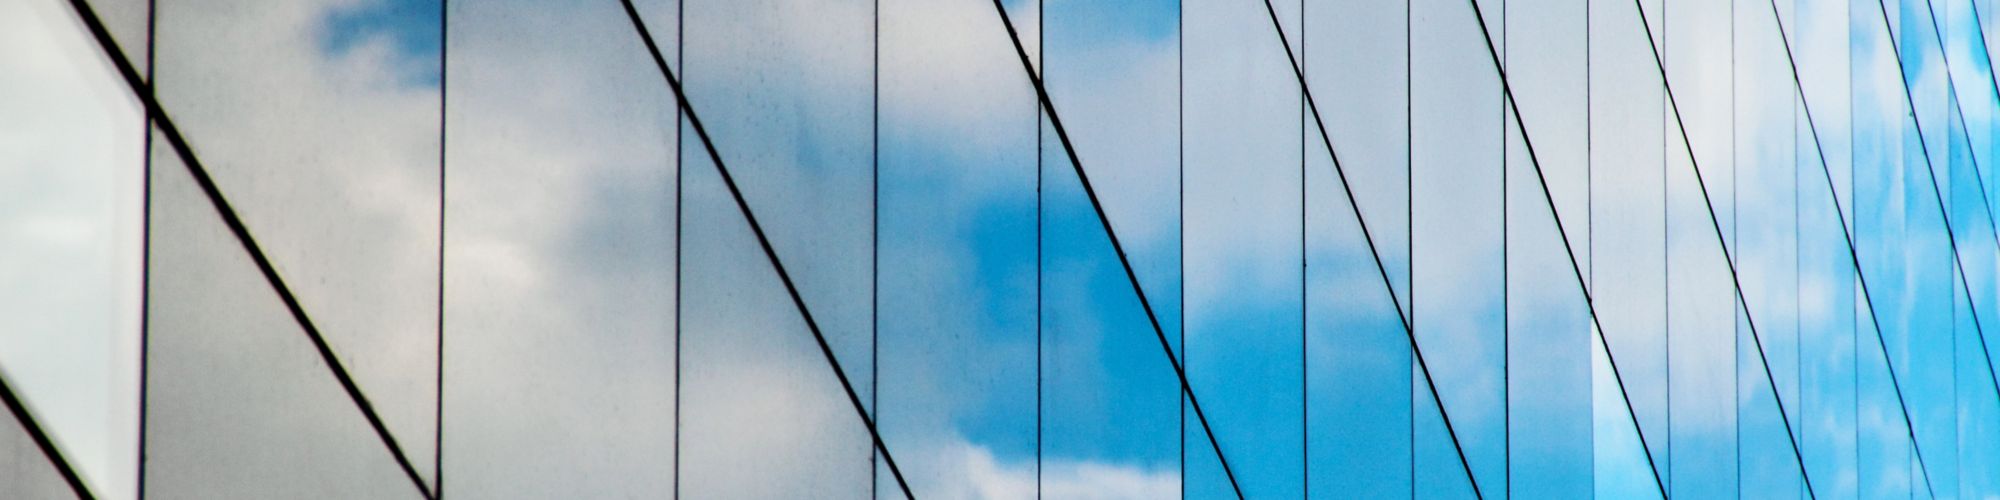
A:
<point x="1112" y="71"/>
<point x="1244" y="230"/>
<point x="790" y="115"/>
<point x="1458" y="240"/>
<point x="320" y="124"/>
<point x="1628" y="124"/>
<point x="239" y="403"/>
<point x="1704" y="322"/>
<point x="1358" y="355"/>
<point x="1549" y="335"/>
<point x="560" y="334"/>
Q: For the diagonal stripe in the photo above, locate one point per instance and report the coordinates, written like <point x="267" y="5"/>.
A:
<point x="144" y="92"/>
<point x="1062" y="134"/>
<point x="1354" y="206"/>
<point x="771" y="254"/>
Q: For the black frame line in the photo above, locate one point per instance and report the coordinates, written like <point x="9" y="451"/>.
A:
<point x="143" y="90"/>
<point x="1380" y="268"/>
<point x="826" y="350"/>
<point x="1076" y="164"/>
<point x="875" y="238"/>
<point x="444" y="96"/>
<point x="1041" y="43"/>
<point x="145" y="266"/>
<point x="680" y="171"/>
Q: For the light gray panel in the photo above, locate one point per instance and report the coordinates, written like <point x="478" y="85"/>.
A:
<point x="239" y="404"/>
<point x="320" y="123"/>
<point x="560" y="275"/>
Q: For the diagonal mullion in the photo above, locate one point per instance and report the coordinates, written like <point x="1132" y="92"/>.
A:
<point x="1104" y="220"/>
<point x="1736" y="280"/>
<point x="1715" y="222"/>
<point x="143" y="90"/>
<point x="1382" y="269"/>
<point x="764" y="242"/>
<point x="1847" y="234"/>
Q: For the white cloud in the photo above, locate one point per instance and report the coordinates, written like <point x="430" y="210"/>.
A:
<point x="968" y="471"/>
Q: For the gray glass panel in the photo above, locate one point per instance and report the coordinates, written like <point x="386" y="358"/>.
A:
<point x="239" y="403"/>
<point x="320" y="123"/>
<point x="561" y="253"/>
<point x="29" y="473"/>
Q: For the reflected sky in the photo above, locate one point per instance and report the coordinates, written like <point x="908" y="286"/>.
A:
<point x="615" y="317"/>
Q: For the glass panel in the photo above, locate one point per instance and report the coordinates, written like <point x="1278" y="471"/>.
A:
<point x="1244" y="230"/>
<point x="764" y="416"/>
<point x="1548" y="352"/>
<point x="1628" y="248"/>
<point x="1830" y="312"/>
<point x="1974" y="238"/>
<point x="1458" y="245"/>
<point x="1113" y="70"/>
<point x="1976" y="404"/>
<point x="239" y="404"/>
<point x="1703" y="325"/>
<point x="958" y="340"/>
<point x="321" y="125"/>
<point x="70" y="209"/>
<point x="1358" y="355"/>
<point x="1767" y="237"/>
<point x="1112" y="403"/>
<point x="791" y="115"/>
<point x="560" y="327"/>
<point x="1886" y="155"/>
<point x="1925" y="376"/>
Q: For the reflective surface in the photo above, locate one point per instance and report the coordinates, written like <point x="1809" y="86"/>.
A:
<point x="1759" y="266"/>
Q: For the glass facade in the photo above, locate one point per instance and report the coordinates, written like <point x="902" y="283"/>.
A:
<point x="1025" y="249"/>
